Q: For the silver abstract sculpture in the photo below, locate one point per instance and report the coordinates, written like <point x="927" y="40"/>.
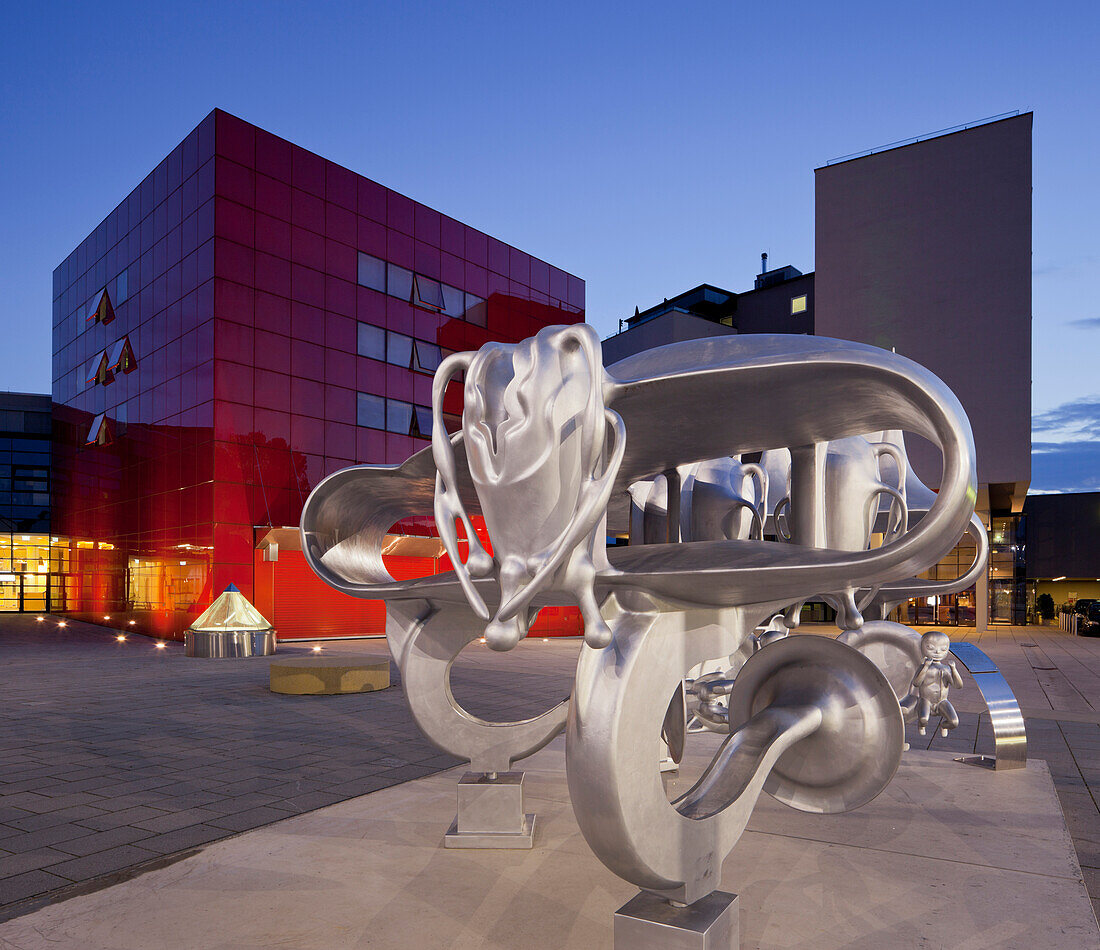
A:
<point x="553" y="448"/>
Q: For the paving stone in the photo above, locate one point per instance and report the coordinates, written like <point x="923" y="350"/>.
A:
<point x="253" y="818"/>
<point x="101" y="862"/>
<point x="103" y="840"/>
<point x="22" y="861"/>
<point x="21" y="886"/>
<point x="183" y="838"/>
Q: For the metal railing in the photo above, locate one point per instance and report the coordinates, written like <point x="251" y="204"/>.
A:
<point x="921" y="138"/>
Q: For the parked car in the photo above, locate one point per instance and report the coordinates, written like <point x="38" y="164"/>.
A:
<point x="1088" y="621"/>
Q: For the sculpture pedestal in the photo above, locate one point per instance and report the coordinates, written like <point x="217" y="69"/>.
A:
<point x="648" y="922"/>
<point x="490" y="813"/>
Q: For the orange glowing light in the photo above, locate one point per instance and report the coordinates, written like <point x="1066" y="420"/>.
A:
<point x="120" y="638"/>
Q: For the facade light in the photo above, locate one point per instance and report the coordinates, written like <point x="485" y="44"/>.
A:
<point x="132" y="622"/>
<point x="1062" y="578"/>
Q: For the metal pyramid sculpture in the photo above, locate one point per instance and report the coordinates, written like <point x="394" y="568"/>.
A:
<point x="231" y="611"/>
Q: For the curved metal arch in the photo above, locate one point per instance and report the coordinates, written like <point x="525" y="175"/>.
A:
<point x="425" y="640"/>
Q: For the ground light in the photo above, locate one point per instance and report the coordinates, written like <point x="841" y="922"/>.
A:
<point x="121" y="638"/>
<point x="107" y="618"/>
<point x="39" y="619"/>
<point x="132" y="622"/>
<point x="316" y="649"/>
<point x="62" y="624"/>
<point x="161" y="645"/>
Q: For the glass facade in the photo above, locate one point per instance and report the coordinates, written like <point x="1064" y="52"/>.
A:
<point x="26" y="555"/>
<point x="274" y="318"/>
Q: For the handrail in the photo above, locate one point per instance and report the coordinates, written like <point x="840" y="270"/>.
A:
<point x="921" y="138"/>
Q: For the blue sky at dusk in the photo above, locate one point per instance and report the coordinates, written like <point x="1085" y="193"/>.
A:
<point x="645" y="147"/>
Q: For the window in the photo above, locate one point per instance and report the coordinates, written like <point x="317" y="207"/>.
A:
<point x="121" y="286"/>
<point x="413" y="288"/>
<point x="422" y="418"/>
<point x="99" y="369"/>
<point x="426" y="357"/>
<point x="427" y="293"/>
<point x="398" y="349"/>
<point x="475" y="310"/>
<point x="372" y="272"/>
<point x="120" y="358"/>
<point x="102" y="312"/>
<point x="372" y="342"/>
<point x="798" y="304"/>
<point x="100" y="431"/>
<point x="398" y="416"/>
<point x="394" y="415"/>
<point x="399" y="282"/>
<point x="370" y="411"/>
<point x="454" y="301"/>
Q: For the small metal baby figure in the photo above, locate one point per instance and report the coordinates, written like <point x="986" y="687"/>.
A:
<point x="933" y="680"/>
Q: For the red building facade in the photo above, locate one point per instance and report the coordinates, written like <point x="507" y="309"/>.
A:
<point x="248" y="320"/>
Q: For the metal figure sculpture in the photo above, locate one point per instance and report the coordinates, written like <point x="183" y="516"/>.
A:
<point x="544" y="457"/>
<point x="933" y="681"/>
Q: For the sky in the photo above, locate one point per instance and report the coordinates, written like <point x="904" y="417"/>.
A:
<point x="646" y="147"/>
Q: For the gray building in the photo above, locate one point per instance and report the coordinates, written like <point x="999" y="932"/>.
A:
<point x="925" y="249"/>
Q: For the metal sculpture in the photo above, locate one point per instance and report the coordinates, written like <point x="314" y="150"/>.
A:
<point x="932" y="682"/>
<point x="544" y="456"/>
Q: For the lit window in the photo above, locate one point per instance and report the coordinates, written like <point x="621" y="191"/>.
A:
<point x="100" y="432"/>
<point x="399" y="282"/>
<point x="99" y="369"/>
<point x="120" y="358"/>
<point x="798" y="304"/>
<point x="372" y="342"/>
<point x="398" y="349"/>
<point x="102" y="311"/>
<point x="372" y="272"/>
<point x="427" y="293"/>
<point x="426" y="357"/>
<point x="475" y="310"/>
<point x="398" y="416"/>
<point x="370" y="411"/>
<point x="454" y="301"/>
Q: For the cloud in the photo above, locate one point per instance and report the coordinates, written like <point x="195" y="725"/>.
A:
<point x="1065" y="466"/>
<point x="1085" y="323"/>
<point x="1079" y="418"/>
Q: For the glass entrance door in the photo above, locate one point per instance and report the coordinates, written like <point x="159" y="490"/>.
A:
<point x="9" y="592"/>
<point x="34" y="593"/>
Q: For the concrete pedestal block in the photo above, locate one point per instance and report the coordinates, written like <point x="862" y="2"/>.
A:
<point x="490" y="813"/>
<point x="320" y="676"/>
<point x="649" y="922"/>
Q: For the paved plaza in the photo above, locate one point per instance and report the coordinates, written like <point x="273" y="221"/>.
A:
<point x="117" y="758"/>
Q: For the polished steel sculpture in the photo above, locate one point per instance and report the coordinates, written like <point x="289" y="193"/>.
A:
<point x="553" y="447"/>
